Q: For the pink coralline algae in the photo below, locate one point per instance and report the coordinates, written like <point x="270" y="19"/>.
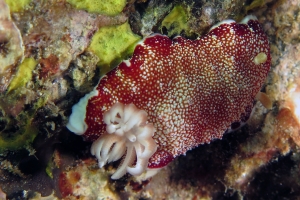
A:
<point x="11" y="47"/>
<point x="173" y="95"/>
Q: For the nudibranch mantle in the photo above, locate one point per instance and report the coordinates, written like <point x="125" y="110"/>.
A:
<point x="190" y="92"/>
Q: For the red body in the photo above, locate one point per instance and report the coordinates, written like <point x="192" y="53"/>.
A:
<point x="192" y="90"/>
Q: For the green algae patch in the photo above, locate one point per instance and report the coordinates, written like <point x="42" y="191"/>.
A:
<point x="112" y="43"/>
<point x="105" y="7"/>
<point x="255" y="4"/>
<point x="23" y="75"/>
<point x="49" y="168"/>
<point x="20" y="139"/>
<point x="176" y="21"/>
<point x="26" y="132"/>
<point x="17" y="5"/>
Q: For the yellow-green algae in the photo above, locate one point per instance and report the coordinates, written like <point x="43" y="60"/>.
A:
<point x="17" y="5"/>
<point x="49" y="168"/>
<point x="255" y="4"/>
<point x="27" y="131"/>
<point x="23" y="75"/>
<point x="176" y="21"/>
<point x="105" y="7"/>
<point x="23" y="137"/>
<point x="112" y="43"/>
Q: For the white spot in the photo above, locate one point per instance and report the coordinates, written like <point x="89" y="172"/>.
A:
<point x="127" y="63"/>
<point x="226" y="21"/>
<point x="260" y="58"/>
<point x="248" y="18"/>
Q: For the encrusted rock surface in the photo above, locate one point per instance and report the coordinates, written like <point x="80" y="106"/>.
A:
<point x="40" y="157"/>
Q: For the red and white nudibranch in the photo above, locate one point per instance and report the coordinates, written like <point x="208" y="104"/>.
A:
<point x="173" y="95"/>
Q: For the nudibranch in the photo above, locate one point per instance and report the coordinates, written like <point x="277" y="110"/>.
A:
<point x="173" y="95"/>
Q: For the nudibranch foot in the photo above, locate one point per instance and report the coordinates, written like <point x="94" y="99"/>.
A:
<point x="173" y="95"/>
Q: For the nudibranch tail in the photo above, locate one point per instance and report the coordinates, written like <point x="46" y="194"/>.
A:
<point x="173" y="95"/>
<point x="77" y="122"/>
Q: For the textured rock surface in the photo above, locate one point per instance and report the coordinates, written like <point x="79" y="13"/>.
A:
<point x="261" y="160"/>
